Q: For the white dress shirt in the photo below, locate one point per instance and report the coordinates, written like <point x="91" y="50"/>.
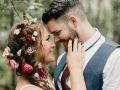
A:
<point x="111" y="72"/>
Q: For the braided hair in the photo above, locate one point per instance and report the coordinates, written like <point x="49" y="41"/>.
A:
<point x="24" y="45"/>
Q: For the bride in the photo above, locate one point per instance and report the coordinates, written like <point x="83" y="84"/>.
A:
<point x="30" y="48"/>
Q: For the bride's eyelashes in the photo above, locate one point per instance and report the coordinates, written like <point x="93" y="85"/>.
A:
<point x="48" y="38"/>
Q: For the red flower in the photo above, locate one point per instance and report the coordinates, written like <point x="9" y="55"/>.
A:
<point x="42" y="73"/>
<point x="28" y="37"/>
<point x="27" y="68"/>
<point x="20" y="26"/>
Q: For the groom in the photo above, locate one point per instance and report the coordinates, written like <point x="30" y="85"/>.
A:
<point x="66" y="19"/>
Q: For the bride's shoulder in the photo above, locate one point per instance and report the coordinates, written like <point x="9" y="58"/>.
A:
<point x="30" y="87"/>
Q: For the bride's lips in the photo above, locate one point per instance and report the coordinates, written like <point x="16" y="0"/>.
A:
<point x="52" y="50"/>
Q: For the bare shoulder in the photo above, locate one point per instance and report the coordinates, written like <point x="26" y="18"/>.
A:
<point x="33" y="87"/>
<point x="30" y="87"/>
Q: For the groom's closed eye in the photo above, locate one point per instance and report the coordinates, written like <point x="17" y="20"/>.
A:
<point x="57" y="32"/>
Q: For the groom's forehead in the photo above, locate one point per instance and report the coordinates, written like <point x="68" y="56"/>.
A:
<point x="52" y="25"/>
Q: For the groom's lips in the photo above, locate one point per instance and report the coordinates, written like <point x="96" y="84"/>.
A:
<point x="62" y="41"/>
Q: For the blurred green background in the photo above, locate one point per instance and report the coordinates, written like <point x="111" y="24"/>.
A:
<point x="103" y="14"/>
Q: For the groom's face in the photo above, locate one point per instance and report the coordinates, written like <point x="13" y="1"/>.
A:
<point x="61" y="31"/>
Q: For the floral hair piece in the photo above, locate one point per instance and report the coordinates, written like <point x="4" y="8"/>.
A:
<point x="10" y="62"/>
<point x="28" y="38"/>
<point x="19" y="54"/>
<point x="27" y="68"/>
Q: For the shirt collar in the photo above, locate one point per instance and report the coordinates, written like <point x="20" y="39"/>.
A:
<point x="90" y="42"/>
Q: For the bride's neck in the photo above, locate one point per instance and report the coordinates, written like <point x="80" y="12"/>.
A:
<point x="19" y="84"/>
<point x="23" y="80"/>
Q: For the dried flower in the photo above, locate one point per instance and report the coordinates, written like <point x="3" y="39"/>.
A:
<point x="28" y="37"/>
<point x="17" y="31"/>
<point x="21" y="26"/>
<point x="35" y="33"/>
<point x="34" y="20"/>
<point x="33" y="38"/>
<point x="10" y="56"/>
<point x="8" y="59"/>
<point x="42" y="73"/>
<point x="5" y="54"/>
<point x="36" y="75"/>
<point x="25" y="21"/>
<point x="19" y="52"/>
<point x="30" y="50"/>
<point x="39" y="65"/>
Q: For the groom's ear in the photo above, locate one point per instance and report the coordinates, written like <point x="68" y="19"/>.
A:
<point x="72" y="22"/>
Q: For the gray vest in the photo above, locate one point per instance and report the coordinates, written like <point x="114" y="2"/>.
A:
<point x="93" y="71"/>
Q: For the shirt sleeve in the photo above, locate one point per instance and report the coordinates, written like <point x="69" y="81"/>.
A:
<point x="111" y="72"/>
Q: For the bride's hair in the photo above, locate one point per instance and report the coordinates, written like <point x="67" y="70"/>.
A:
<point x="26" y="49"/>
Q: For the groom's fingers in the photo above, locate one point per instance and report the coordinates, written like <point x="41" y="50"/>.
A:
<point x="69" y="46"/>
<point x="75" y="45"/>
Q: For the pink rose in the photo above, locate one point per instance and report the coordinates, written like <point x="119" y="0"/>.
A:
<point x="27" y="68"/>
<point x="13" y="64"/>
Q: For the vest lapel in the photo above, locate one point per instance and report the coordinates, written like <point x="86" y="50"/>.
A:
<point x="59" y="68"/>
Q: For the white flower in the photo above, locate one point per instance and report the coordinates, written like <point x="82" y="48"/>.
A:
<point x="36" y="75"/>
<point x="30" y="50"/>
<point x="25" y="21"/>
<point x="6" y="53"/>
<point x="17" y="31"/>
<point x="33" y="38"/>
<point x="39" y="65"/>
<point x="19" y="52"/>
<point x="34" y="20"/>
<point x="35" y="33"/>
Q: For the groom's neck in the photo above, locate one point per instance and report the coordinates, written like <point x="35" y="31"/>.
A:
<point x="87" y="31"/>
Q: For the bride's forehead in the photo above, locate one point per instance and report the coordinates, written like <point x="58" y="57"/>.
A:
<point x="45" y="32"/>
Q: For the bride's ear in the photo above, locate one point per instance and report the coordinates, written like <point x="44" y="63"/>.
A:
<point x="72" y="22"/>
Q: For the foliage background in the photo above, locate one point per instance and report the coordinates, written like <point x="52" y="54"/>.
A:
<point x="103" y="14"/>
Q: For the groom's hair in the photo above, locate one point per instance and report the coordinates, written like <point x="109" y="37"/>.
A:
<point x="61" y="8"/>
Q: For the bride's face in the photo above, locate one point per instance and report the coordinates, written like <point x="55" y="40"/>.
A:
<point x="48" y="46"/>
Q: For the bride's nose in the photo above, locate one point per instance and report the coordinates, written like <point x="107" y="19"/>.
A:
<point x="53" y="45"/>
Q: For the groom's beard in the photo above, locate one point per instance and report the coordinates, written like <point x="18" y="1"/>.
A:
<point x="65" y="43"/>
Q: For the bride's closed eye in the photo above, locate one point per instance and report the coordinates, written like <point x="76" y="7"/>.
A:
<point x="48" y="38"/>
